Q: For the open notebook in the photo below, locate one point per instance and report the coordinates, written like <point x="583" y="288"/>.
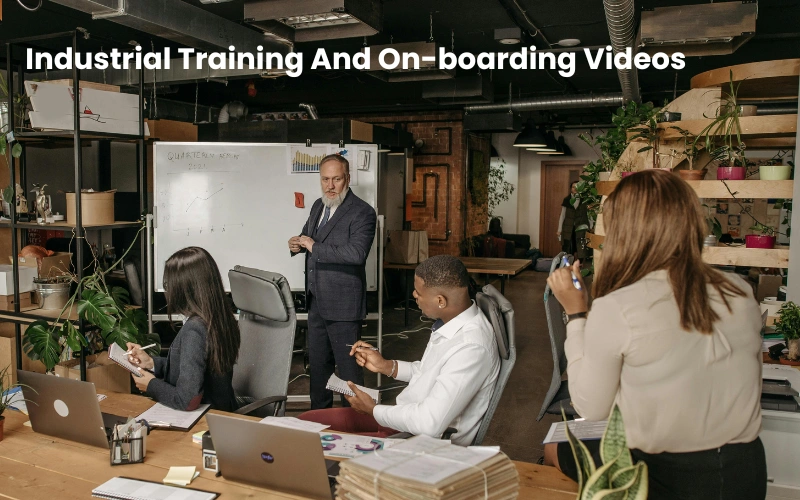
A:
<point x="336" y="384"/>
<point x="124" y="488"/>
<point x="120" y="357"/>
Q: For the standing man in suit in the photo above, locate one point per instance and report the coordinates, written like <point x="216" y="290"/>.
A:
<point x="336" y="239"/>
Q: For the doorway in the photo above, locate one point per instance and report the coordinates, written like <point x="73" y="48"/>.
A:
<point x="557" y="176"/>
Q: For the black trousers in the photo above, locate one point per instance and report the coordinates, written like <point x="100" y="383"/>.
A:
<point x="327" y="349"/>
<point x="732" y="472"/>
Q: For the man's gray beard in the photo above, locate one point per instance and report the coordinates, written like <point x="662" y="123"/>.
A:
<point x="333" y="202"/>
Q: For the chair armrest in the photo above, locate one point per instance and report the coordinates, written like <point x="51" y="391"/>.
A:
<point x="449" y="432"/>
<point x="255" y="405"/>
<point x="391" y="386"/>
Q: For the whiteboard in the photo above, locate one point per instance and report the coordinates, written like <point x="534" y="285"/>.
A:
<point x="237" y="200"/>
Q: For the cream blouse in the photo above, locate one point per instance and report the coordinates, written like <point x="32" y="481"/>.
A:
<point x="678" y="391"/>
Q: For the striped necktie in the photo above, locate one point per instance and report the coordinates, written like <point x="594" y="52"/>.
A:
<point x="325" y="218"/>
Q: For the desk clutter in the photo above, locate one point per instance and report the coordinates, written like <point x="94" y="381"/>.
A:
<point x="426" y="468"/>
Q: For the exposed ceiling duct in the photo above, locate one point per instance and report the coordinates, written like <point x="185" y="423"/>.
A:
<point x="312" y="20"/>
<point x="471" y="89"/>
<point x="546" y="103"/>
<point x="180" y="22"/>
<point x="426" y="54"/>
<point x="311" y="110"/>
<point x="620" y="17"/>
<point x="698" y="30"/>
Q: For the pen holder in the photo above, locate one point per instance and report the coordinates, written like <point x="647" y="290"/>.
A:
<point x="127" y="451"/>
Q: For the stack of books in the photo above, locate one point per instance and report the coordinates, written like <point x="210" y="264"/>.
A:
<point x="424" y="468"/>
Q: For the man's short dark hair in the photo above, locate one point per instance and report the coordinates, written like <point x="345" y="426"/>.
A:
<point x="443" y="271"/>
<point x="341" y="160"/>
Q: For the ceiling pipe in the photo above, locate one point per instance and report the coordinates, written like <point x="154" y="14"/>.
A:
<point x="620" y="17"/>
<point x="545" y="103"/>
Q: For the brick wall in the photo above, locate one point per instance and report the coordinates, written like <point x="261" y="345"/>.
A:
<point x="438" y="200"/>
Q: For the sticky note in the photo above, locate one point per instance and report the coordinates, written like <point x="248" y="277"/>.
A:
<point x="299" y="200"/>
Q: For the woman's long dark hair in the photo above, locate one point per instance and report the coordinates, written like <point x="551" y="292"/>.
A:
<point x="193" y="287"/>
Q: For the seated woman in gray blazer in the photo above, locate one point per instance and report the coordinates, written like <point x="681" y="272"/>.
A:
<point x="199" y="367"/>
<point x="673" y="342"/>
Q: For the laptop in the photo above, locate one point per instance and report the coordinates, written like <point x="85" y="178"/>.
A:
<point x="281" y="459"/>
<point x="66" y="408"/>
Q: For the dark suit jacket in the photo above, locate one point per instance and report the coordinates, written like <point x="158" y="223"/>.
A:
<point x="335" y="272"/>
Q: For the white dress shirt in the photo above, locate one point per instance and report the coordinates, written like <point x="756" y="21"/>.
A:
<point x="333" y="209"/>
<point x="452" y="385"/>
<point x="679" y="391"/>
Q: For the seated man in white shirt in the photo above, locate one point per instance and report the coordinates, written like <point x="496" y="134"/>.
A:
<point x="450" y="387"/>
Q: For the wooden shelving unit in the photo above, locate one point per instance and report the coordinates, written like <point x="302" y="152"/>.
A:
<point x="763" y="80"/>
<point x="768" y="126"/>
<point x="717" y="189"/>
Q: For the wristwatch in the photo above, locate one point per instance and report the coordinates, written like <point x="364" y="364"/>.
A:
<point x="570" y="317"/>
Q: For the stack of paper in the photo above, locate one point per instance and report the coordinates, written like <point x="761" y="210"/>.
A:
<point x="424" y="468"/>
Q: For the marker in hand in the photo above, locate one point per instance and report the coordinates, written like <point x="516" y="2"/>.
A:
<point x="575" y="281"/>
<point x="142" y="348"/>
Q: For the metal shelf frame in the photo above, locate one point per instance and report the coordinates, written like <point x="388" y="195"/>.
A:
<point x="32" y="139"/>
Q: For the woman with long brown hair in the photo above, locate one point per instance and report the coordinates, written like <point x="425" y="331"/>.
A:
<point x="199" y="367"/>
<point x="672" y="341"/>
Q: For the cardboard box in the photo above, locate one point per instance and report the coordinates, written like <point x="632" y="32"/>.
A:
<point x="171" y="130"/>
<point x="7" y="302"/>
<point x="26" y="275"/>
<point x="101" y="371"/>
<point x="8" y="352"/>
<point x="406" y="247"/>
<point x="55" y="265"/>
<point x="96" y="208"/>
<point x="767" y="286"/>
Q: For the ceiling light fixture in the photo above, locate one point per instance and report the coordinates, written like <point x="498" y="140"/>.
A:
<point x="508" y="36"/>
<point x="530" y="137"/>
<point x="569" y="42"/>
<point x="561" y="149"/>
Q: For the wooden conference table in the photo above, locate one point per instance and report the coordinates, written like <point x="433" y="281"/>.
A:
<point x="38" y="467"/>
<point x="476" y="265"/>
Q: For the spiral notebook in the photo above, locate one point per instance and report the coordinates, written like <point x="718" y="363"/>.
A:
<point x="120" y="357"/>
<point x="124" y="488"/>
<point x="336" y="384"/>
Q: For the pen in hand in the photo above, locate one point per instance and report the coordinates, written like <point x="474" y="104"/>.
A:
<point x="363" y="347"/>
<point x="142" y="348"/>
<point x="575" y="281"/>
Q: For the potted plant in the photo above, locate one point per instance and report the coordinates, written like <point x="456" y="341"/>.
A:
<point x="788" y="325"/>
<point x="617" y="476"/>
<point x="766" y="238"/>
<point x="626" y="168"/>
<point x="7" y="396"/>
<point x="650" y="132"/>
<point x="722" y="137"/>
<point x="108" y="311"/>
<point x="773" y="170"/>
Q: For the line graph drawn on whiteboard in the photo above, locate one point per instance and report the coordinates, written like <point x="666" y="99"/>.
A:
<point x="194" y="200"/>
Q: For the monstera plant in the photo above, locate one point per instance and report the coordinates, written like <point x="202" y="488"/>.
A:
<point x="617" y="476"/>
<point x="106" y="312"/>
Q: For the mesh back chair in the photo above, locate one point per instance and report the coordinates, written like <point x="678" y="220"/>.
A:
<point x="500" y="313"/>
<point x="267" y="322"/>
<point x="558" y="394"/>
